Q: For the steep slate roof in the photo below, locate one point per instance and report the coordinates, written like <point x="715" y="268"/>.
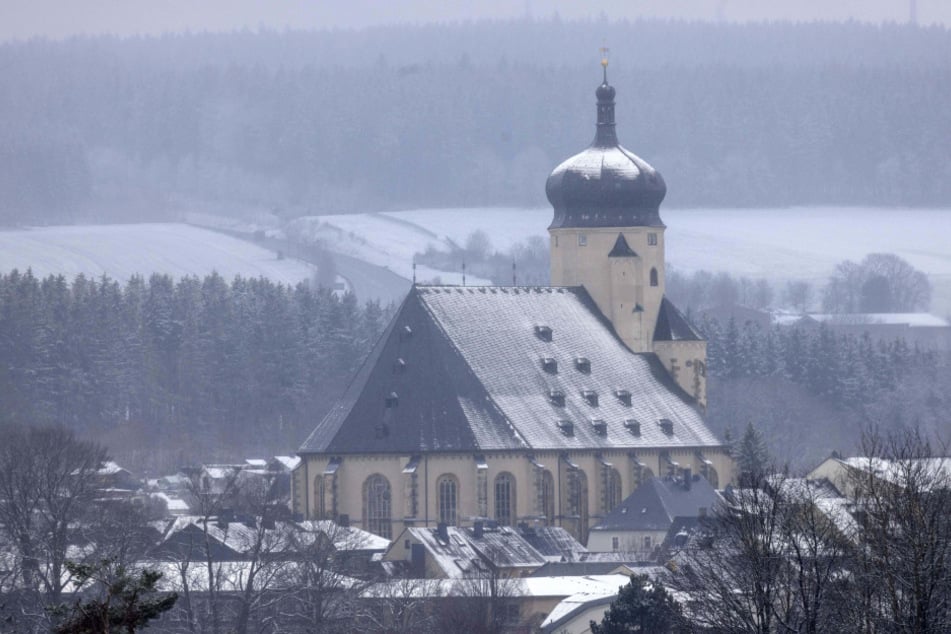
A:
<point x="672" y="325"/>
<point x="465" y="365"/>
<point x="655" y="504"/>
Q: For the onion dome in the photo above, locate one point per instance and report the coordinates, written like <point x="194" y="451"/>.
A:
<point x="606" y="185"/>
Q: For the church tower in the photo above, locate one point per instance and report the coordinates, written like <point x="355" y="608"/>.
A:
<point x="607" y="236"/>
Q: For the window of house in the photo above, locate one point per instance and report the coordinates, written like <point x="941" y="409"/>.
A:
<point x="652" y="239"/>
<point x="505" y="499"/>
<point x="376" y="505"/>
<point x="447" y="490"/>
<point x="582" y="239"/>
<point x="615" y="544"/>
<point x="647" y="542"/>
<point x="653" y="277"/>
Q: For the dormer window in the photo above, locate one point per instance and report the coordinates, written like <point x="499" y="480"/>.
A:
<point x="624" y="396"/>
<point x="633" y="426"/>
<point x="543" y="332"/>
<point x="392" y="400"/>
<point x="666" y="426"/>
<point x="583" y="365"/>
<point x="590" y="396"/>
<point x="549" y="365"/>
<point x="557" y="398"/>
<point x="600" y="427"/>
<point x="566" y="427"/>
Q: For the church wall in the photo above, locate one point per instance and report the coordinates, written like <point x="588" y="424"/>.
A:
<point x="344" y="491"/>
<point x="685" y="361"/>
<point x="579" y="257"/>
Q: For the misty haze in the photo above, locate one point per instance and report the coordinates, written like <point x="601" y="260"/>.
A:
<point x="517" y="317"/>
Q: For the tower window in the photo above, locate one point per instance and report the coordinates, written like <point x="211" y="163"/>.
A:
<point x="653" y="277"/>
<point x="582" y="239"/>
<point x="652" y="239"/>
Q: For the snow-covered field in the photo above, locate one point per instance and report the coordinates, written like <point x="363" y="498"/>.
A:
<point x="775" y="244"/>
<point x="121" y="251"/>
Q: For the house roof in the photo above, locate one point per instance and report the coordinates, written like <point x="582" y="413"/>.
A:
<point x="553" y="542"/>
<point x="655" y="504"/>
<point x="461" y="369"/>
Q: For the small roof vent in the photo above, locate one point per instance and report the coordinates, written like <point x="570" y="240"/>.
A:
<point x="667" y="426"/>
<point x="633" y="426"/>
<point x="582" y="364"/>
<point x="590" y="396"/>
<point x="399" y="365"/>
<point x="543" y="332"/>
<point x="566" y="427"/>
<point x="600" y="427"/>
<point x="624" y="396"/>
<point x="549" y="365"/>
<point x="406" y="333"/>
<point x="392" y="400"/>
<point x="381" y="431"/>
<point x="556" y="397"/>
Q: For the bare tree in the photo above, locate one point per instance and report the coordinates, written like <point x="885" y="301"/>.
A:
<point x="903" y="569"/>
<point x="47" y="483"/>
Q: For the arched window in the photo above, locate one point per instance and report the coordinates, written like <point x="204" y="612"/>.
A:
<point x="319" y="511"/>
<point x="505" y="499"/>
<point x="548" y="497"/>
<point x="653" y="277"/>
<point x="575" y="503"/>
<point x="612" y="489"/>
<point x="447" y="488"/>
<point x="376" y="505"/>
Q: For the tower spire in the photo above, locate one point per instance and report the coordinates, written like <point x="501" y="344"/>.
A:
<point x="606" y="135"/>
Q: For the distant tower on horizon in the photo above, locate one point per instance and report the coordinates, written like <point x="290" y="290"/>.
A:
<point x="607" y="235"/>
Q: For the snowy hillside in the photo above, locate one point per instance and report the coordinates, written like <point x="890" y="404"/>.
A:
<point x="775" y="244"/>
<point x="121" y="251"/>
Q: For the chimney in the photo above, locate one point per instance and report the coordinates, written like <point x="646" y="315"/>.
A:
<point x="477" y="529"/>
<point x="688" y="478"/>
<point x="442" y="531"/>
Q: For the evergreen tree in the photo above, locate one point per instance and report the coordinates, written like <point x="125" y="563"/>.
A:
<point x="641" y="606"/>
<point x="751" y="457"/>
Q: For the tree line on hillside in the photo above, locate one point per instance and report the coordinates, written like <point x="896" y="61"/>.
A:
<point x="163" y="364"/>
<point x="128" y="140"/>
<point x="812" y="390"/>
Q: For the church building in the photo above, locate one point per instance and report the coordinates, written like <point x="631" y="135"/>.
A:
<point x="542" y="405"/>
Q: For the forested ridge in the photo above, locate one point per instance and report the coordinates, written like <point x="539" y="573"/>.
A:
<point x="811" y="390"/>
<point x="194" y="369"/>
<point x="469" y="114"/>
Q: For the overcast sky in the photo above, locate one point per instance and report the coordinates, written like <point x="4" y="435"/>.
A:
<point x="62" y="18"/>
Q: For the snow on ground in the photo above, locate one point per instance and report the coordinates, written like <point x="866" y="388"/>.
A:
<point x="774" y="244"/>
<point x="121" y="251"/>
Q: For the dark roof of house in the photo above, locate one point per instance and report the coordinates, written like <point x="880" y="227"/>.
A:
<point x="463" y="369"/>
<point x="654" y="505"/>
<point x="672" y="325"/>
<point x="553" y="541"/>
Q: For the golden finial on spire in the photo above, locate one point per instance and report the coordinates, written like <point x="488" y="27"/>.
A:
<point x="604" y="61"/>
